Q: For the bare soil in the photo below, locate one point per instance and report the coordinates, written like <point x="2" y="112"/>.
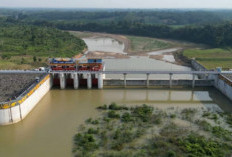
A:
<point x="12" y="85"/>
<point x="180" y="60"/>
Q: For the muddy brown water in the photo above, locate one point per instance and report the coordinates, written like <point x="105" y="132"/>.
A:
<point x="49" y="129"/>
<point x="104" y="44"/>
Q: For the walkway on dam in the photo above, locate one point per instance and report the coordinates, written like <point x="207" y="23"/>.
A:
<point x="229" y="73"/>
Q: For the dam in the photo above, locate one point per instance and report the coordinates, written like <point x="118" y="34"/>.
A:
<point x="92" y="75"/>
<point x="67" y="108"/>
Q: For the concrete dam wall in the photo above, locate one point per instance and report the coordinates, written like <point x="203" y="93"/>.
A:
<point x="15" y="112"/>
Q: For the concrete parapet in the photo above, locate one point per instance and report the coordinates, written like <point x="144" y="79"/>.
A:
<point x="19" y="112"/>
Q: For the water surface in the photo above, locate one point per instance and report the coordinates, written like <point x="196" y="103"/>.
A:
<point x="104" y="44"/>
<point x="144" y="63"/>
<point x="49" y="129"/>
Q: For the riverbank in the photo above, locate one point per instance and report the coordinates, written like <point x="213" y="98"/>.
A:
<point x="159" y="49"/>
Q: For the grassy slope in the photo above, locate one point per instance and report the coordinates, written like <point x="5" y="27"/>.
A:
<point x="211" y="58"/>
<point x="141" y="44"/>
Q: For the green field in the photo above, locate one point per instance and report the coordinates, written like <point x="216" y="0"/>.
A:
<point x="23" y="62"/>
<point x="211" y="58"/>
<point x="141" y="44"/>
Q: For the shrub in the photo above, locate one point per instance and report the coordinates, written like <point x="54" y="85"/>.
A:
<point x="144" y="112"/>
<point x="114" y="106"/>
<point x="200" y="146"/>
<point x="172" y="116"/>
<point x="93" y="131"/>
<point x="126" y="117"/>
<point x="204" y="125"/>
<point x="171" y="153"/>
<point x="104" y="107"/>
<point x="85" y="142"/>
<point x="113" y="114"/>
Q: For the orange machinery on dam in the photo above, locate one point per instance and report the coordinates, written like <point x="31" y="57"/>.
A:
<point x="71" y="64"/>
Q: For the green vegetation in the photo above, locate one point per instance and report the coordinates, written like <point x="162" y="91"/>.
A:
<point x="24" y="46"/>
<point x="147" y="131"/>
<point x="168" y="17"/>
<point x="206" y="27"/>
<point x="211" y="58"/>
<point x="141" y="44"/>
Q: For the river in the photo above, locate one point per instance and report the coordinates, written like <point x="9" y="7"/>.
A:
<point x="49" y="129"/>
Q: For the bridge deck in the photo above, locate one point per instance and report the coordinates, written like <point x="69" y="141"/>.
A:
<point x="229" y="73"/>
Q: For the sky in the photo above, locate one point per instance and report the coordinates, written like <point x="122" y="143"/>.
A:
<point x="117" y="3"/>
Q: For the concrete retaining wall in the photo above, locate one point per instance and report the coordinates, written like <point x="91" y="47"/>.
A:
<point x="220" y="82"/>
<point x="198" y="67"/>
<point x="224" y="85"/>
<point x="117" y="82"/>
<point x="19" y="112"/>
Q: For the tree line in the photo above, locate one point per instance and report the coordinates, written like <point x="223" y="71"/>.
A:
<point x="206" y="27"/>
<point x="24" y="39"/>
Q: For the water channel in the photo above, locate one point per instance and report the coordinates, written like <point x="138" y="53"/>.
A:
<point x="49" y="129"/>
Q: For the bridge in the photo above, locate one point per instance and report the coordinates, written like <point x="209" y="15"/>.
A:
<point x="90" y="76"/>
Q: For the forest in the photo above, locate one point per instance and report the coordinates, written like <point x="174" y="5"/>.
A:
<point x="210" y="27"/>
<point x="23" y="39"/>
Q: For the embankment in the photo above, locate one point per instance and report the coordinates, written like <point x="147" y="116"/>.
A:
<point x="16" y="110"/>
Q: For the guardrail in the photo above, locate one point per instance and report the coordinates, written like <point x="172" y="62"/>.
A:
<point x="117" y="72"/>
<point x="142" y="72"/>
<point x="25" y="94"/>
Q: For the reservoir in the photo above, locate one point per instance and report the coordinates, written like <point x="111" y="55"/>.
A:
<point x="106" y="44"/>
<point x="49" y="129"/>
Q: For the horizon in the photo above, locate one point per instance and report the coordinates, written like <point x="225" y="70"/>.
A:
<point x="120" y="4"/>
<point x="73" y="8"/>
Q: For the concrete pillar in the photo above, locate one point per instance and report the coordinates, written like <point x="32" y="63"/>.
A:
<point x="124" y="79"/>
<point x="147" y="80"/>
<point x="75" y="81"/>
<point x="89" y="81"/>
<point x="193" y="81"/>
<point x="169" y="95"/>
<point x="192" y="96"/>
<point x="170" y="80"/>
<point x="62" y="81"/>
<point x="100" y="81"/>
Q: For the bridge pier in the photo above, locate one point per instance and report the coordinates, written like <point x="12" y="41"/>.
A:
<point x="89" y="81"/>
<point x="193" y="82"/>
<point x="75" y="81"/>
<point x="124" y="79"/>
<point x="147" y="80"/>
<point x="170" y="80"/>
<point x="100" y="81"/>
<point x="62" y="81"/>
